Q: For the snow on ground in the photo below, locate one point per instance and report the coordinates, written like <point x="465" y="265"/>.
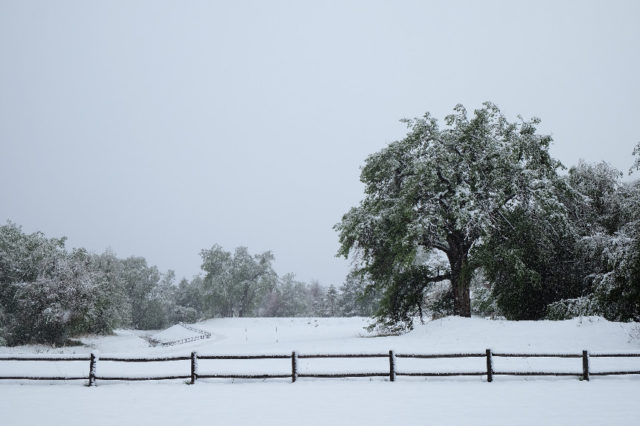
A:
<point x="326" y="403"/>
<point x="408" y="401"/>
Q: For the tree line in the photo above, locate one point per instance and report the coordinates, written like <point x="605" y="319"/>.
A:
<point x="475" y="216"/>
<point x="49" y="294"/>
<point x="470" y="217"/>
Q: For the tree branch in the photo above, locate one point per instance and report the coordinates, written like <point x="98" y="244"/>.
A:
<point x="438" y="278"/>
<point x="441" y="247"/>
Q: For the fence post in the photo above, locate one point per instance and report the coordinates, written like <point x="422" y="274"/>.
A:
<point x="392" y="366"/>
<point x="294" y="366"/>
<point x="92" y="369"/>
<point x="585" y="365"/>
<point x="194" y="367"/>
<point x="489" y="366"/>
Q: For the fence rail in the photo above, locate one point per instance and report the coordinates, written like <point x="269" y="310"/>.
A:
<point x="392" y="373"/>
<point x="201" y="335"/>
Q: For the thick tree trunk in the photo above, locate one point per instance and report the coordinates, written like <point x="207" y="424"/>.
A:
<point x="460" y="278"/>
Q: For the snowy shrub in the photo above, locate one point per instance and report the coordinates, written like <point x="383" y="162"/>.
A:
<point x="482" y="301"/>
<point x="185" y="314"/>
<point x="571" y="308"/>
<point x="438" y="300"/>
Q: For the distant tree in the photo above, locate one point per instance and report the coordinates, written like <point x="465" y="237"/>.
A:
<point x="444" y="190"/>
<point x="48" y="294"/>
<point x="159" y="304"/>
<point x="56" y="305"/>
<point x="32" y="286"/>
<point x="636" y="162"/>
<point x="235" y="283"/>
<point x="113" y="308"/>
<point x="25" y="257"/>
<point x="357" y="297"/>
<point x="288" y="299"/>
<point x="139" y="281"/>
<point x="189" y="300"/>
<point x="331" y="301"/>
<point x="317" y="299"/>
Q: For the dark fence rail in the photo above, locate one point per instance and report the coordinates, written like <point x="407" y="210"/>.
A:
<point x="432" y="356"/>
<point x="201" y="335"/>
<point x="41" y="358"/>
<point x="392" y="373"/>
<point x="171" y="358"/>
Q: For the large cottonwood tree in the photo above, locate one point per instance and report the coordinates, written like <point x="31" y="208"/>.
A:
<point x="443" y="189"/>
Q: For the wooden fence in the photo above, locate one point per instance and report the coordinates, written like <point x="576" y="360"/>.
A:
<point x="202" y="334"/>
<point x="392" y="372"/>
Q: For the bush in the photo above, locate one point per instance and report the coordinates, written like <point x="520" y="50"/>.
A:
<point x="571" y="308"/>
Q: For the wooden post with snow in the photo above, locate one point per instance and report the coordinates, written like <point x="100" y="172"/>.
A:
<point x="392" y="366"/>
<point x="585" y="365"/>
<point x="194" y="367"/>
<point x="294" y="366"/>
<point x="92" y="369"/>
<point x="489" y="366"/>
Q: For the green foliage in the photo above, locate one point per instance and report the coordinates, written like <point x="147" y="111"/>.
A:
<point x="289" y="298"/>
<point x="48" y="294"/>
<point x="588" y="265"/>
<point x="443" y="189"/>
<point x="608" y="218"/>
<point x="236" y="283"/>
<point x="571" y="308"/>
<point x="595" y="204"/>
<point x="483" y="303"/>
<point x="358" y="297"/>
<point x="112" y="306"/>
<point x="531" y="263"/>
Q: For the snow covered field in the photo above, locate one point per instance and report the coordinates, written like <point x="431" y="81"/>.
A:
<point x="408" y="401"/>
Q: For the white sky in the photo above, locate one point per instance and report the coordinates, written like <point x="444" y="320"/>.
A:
<point x="159" y="128"/>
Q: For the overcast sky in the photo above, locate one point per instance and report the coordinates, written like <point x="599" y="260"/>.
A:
<point x="160" y="128"/>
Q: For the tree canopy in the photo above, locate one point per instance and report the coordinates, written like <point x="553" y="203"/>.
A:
<point x="235" y="283"/>
<point x="438" y="193"/>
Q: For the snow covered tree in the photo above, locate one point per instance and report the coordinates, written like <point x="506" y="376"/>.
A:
<point x="443" y="190"/>
<point x="56" y="305"/>
<point x="357" y="298"/>
<point x="189" y="300"/>
<point x="595" y="205"/>
<point x="316" y="299"/>
<point x="27" y="264"/>
<point x="615" y="281"/>
<point x="606" y="214"/>
<point x="159" y="304"/>
<point x="636" y="162"/>
<point x="24" y="257"/>
<point x="139" y="281"/>
<point x="235" y="283"/>
<point x="112" y="306"/>
<point x="288" y="299"/>
<point x="331" y="301"/>
<point x="530" y="263"/>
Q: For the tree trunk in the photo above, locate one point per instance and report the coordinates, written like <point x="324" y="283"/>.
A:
<point x="244" y="302"/>
<point x="460" y="278"/>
